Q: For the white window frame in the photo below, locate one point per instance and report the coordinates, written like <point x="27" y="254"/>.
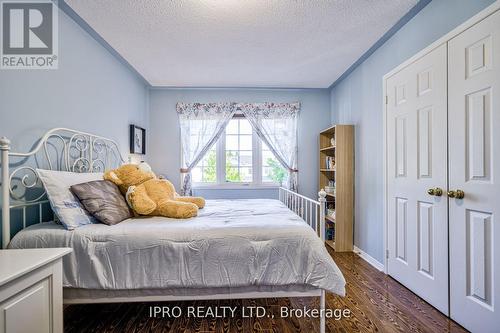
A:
<point x="221" y="167"/>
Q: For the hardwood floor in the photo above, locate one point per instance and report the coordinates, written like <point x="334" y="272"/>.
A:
<point x="377" y="304"/>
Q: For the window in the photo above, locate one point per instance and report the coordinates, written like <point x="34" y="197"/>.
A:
<point x="239" y="157"/>
<point x="239" y="151"/>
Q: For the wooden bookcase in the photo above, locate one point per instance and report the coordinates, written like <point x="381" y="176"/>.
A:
<point x="342" y="173"/>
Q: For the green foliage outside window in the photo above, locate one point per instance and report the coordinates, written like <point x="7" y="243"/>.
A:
<point x="210" y="170"/>
<point x="277" y="173"/>
<point x="232" y="174"/>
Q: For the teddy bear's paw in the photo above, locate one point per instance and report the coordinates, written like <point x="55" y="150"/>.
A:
<point x="200" y="202"/>
<point x="139" y="201"/>
<point x="177" y="209"/>
<point x="129" y="194"/>
<point x="191" y="211"/>
<point x="186" y="210"/>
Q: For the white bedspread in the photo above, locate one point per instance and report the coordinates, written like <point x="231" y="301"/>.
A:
<point x="232" y="243"/>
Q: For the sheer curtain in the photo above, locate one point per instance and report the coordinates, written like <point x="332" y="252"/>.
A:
<point x="201" y="126"/>
<point x="276" y="125"/>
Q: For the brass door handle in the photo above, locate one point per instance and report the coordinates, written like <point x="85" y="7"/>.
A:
<point x="435" y="191"/>
<point x="458" y="194"/>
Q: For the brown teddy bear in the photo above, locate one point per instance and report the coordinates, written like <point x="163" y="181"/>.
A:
<point x="148" y="195"/>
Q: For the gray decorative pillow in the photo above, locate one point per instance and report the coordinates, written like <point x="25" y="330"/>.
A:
<point x="103" y="200"/>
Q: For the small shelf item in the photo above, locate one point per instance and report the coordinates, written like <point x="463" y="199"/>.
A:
<point x="330" y="243"/>
<point x="330" y="188"/>
<point x="330" y="162"/>
<point x="331" y="211"/>
<point x="336" y="177"/>
<point x="328" y="148"/>
<point x="330" y="234"/>
<point x="330" y="218"/>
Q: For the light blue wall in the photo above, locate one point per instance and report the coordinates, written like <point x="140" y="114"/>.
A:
<point x="91" y="91"/>
<point x="358" y="100"/>
<point x="165" y="138"/>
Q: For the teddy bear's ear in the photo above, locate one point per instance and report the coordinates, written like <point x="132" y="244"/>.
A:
<point x="143" y="166"/>
<point x="111" y="176"/>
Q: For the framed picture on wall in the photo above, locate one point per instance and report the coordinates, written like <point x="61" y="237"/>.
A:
<point x="137" y="140"/>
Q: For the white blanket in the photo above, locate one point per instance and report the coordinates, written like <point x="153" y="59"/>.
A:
<point x="232" y="243"/>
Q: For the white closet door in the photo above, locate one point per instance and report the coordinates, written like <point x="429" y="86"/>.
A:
<point x="417" y="162"/>
<point x="474" y="167"/>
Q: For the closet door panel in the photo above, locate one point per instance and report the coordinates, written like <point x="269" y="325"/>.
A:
<point x="416" y="162"/>
<point x="474" y="168"/>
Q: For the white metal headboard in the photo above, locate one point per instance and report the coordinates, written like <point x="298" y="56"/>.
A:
<point x="62" y="149"/>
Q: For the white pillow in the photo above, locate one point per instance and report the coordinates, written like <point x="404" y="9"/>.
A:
<point x="65" y="205"/>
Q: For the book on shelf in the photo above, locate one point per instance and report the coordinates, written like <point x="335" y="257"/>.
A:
<point x="330" y="162"/>
<point x="330" y="234"/>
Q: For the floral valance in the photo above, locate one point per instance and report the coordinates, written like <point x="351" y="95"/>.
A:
<point x="215" y="109"/>
<point x="270" y="109"/>
<point x="206" y="110"/>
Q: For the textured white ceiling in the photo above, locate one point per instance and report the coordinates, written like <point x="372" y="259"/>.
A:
<point x="241" y="43"/>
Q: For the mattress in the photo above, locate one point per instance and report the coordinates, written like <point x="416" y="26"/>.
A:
<point x="231" y="244"/>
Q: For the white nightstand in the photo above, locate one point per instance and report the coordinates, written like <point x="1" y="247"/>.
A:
<point x="31" y="290"/>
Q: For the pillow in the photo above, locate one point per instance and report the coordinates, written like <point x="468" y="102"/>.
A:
<point x="65" y="205"/>
<point x="103" y="200"/>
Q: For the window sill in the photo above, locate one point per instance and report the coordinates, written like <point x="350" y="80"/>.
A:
<point x="236" y="187"/>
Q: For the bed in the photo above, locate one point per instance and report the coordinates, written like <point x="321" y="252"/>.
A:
<point x="234" y="249"/>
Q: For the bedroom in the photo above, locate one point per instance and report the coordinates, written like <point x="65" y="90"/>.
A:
<point x="342" y="178"/>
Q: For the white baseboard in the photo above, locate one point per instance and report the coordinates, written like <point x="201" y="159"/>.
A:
<point x="369" y="259"/>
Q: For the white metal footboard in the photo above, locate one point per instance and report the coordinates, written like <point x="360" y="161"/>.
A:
<point x="311" y="211"/>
